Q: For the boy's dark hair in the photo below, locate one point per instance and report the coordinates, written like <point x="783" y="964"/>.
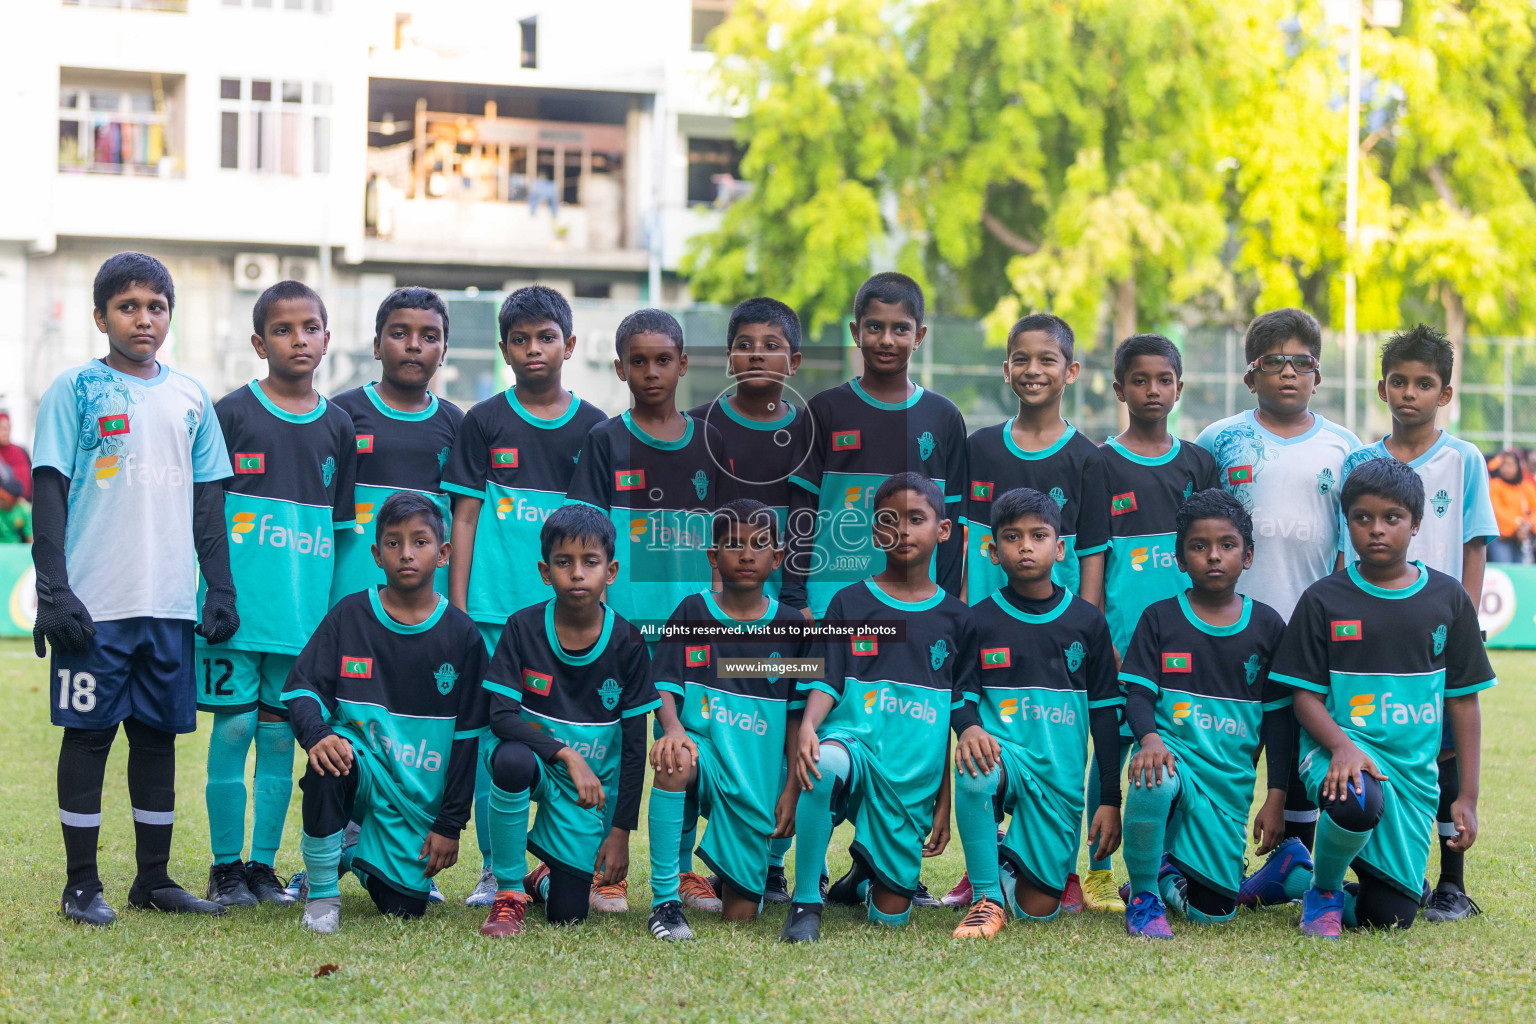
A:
<point x="403" y="506"/>
<point x="749" y="511"/>
<point x="912" y="482"/>
<point x="1059" y="330"/>
<point x="1385" y="478"/>
<point x="118" y="273"/>
<point x="534" y="304"/>
<point x="277" y="293"/>
<point x="1147" y="345"/>
<point x="1025" y="503"/>
<point x="1278" y="326"/>
<point x="893" y="289"/>
<point x="1212" y="504"/>
<point x="576" y="522"/>
<point x="411" y="297"/>
<point x="763" y="310"/>
<point x="1420" y="344"/>
<point x="647" y="321"/>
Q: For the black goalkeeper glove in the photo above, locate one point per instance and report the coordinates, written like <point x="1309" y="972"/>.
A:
<point x="61" y="619"/>
<point x="220" y="620"/>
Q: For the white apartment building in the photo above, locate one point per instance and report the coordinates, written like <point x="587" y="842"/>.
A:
<point x="467" y="145"/>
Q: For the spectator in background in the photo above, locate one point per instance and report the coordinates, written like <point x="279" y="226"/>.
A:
<point x="15" y="511"/>
<point x="1514" y="506"/>
<point x="15" y="456"/>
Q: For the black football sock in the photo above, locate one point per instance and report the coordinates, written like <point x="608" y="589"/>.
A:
<point x="1452" y="862"/>
<point x="82" y="766"/>
<point x="152" y="790"/>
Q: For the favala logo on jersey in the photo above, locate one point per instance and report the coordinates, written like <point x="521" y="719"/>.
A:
<point x="106" y="469"/>
<point x="363" y="511"/>
<point x="856" y="496"/>
<point x="1008" y="708"/>
<point x="886" y="701"/>
<point x="987" y="545"/>
<point x="637" y="528"/>
<point x="537" y="682"/>
<point x="1031" y="710"/>
<point x="243" y="523"/>
<point x="845" y="441"/>
<point x="520" y="509"/>
<point x="1193" y="713"/>
<point x="1159" y="558"/>
<point x="1361" y="707"/>
<point x="1121" y="504"/>
<point x="747" y="721"/>
<point x="418" y="756"/>
<point x="270" y="534"/>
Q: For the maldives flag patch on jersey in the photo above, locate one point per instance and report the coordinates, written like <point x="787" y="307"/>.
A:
<point x="250" y="462"/>
<point x="865" y="646"/>
<point x="113" y="425"/>
<point x="504" y="458"/>
<point x="629" y="479"/>
<point x="537" y="682"/>
<point x="1345" y="629"/>
<point x="365" y="444"/>
<point x="981" y="490"/>
<point x="845" y="440"/>
<point x="1177" y="661"/>
<point x="1120" y="504"/>
<point x="995" y="657"/>
<point x="356" y="668"/>
<point x="1240" y="475"/>
<point x="696" y="657"/>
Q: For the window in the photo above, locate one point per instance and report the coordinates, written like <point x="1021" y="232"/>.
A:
<point x="714" y="171"/>
<point x="707" y="16"/>
<point x="268" y="126"/>
<point x="229" y="139"/>
<point x="115" y="123"/>
<point x="229" y="88"/>
<point x="179" y="6"/>
<point x="530" y="33"/>
<point x="322" y="144"/>
<point x="293" y="92"/>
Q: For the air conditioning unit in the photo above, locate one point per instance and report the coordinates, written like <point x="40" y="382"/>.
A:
<point x="304" y="269"/>
<point x="256" y="271"/>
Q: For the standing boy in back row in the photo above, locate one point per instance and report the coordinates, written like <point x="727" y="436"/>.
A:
<point x="1453" y="537"/>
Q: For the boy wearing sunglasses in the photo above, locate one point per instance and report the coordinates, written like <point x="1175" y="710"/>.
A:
<point x="1286" y="464"/>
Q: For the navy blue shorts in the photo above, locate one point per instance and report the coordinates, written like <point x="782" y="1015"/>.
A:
<point x="134" y="668"/>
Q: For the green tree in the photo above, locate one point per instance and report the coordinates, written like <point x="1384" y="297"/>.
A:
<point x="830" y="127"/>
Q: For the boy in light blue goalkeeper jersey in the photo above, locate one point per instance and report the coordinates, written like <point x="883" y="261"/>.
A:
<point x="1453" y="538"/>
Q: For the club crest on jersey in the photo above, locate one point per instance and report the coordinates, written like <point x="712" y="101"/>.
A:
<point x="845" y="441"/>
<point x="696" y="657"/>
<point x="996" y="657"/>
<point x="1345" y="629"/>
<point x="365" y="444"/>
<point x="938" y="654"/>
<point x="609" y="692"/>
<point x="1438" y="636"/>
<point x="356" y="668"/>
<point x="1239" y="475"/>
<point x="111" y="426"/>
<point x="700" y="484"/>
<point x="537" y="682"/>
<point x="629" y="479"/>
<point x="925" y="445"/>
<point x="1189" y="489"/>
<point x="504" y="458"/>
<point x="1120" y="504"/>
<point x="1441" y="503"/>
<point x="1251" y="669"/>
<point x="1059" y="496"/>
<point x="190" y="419"/>
<point x="774" y="677"/>
<point x="328" y="470"/>
<point x="1325" y="481"/>
<point x="442" y="458"/>
<point x="981" y="490"/>
<point x="250" y="462"/>
<point x="445" y="676"/>
<point x="866" y="646"/>
<point x="1177" y="661"/>
<point x="1074" y="654"/>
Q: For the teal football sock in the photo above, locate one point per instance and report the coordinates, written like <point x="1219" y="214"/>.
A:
<point x="1334" y="849"/>
<point x="977" y="826"/>
<point x="1197" y="917"/>
<point x="506" y="831"/>
<point x="1297" y="883"/>
<point x="1168" y="888"/>
<point x="1145" y="831"/>
<point x="665" y="824"/>
<point x="483" y="809"/>
<point x="274" y="789"/>
<point x="777" y="848"/>
<point x="224" y="793"/>
<point x="877" y="916"/>
<point x="688" y="839"/>
<point x="813" y="823"/>
<point x="322" y="861"/>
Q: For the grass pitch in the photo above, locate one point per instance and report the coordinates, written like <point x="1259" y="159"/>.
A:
<point x="259" y="964"/>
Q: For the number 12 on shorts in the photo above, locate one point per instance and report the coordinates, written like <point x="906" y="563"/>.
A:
<point x="77" y="690"/>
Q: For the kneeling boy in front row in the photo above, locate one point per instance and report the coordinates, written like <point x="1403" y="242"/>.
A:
<point x="386" y="700"/>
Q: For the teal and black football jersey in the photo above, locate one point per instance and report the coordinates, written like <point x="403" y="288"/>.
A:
<point x="402" y="695"/>
<point x="520" y="466"/>
<point x="895" y="696"/>
<point x="855" y="443"/>
<point x="580" y="698"/>
<point x="1039" y="666"/>
<point x="291" y="491"/>
<point x="743" y="719"/>
<point x="1213" y="688"/>
<point x="1070" y="471"/>
<point x="757" y="458"/>
<point x="660" y="496"/>
<point x="1144" y="497"/>
<point x="1384" y="661"/>
<point x="396" y="451"/>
